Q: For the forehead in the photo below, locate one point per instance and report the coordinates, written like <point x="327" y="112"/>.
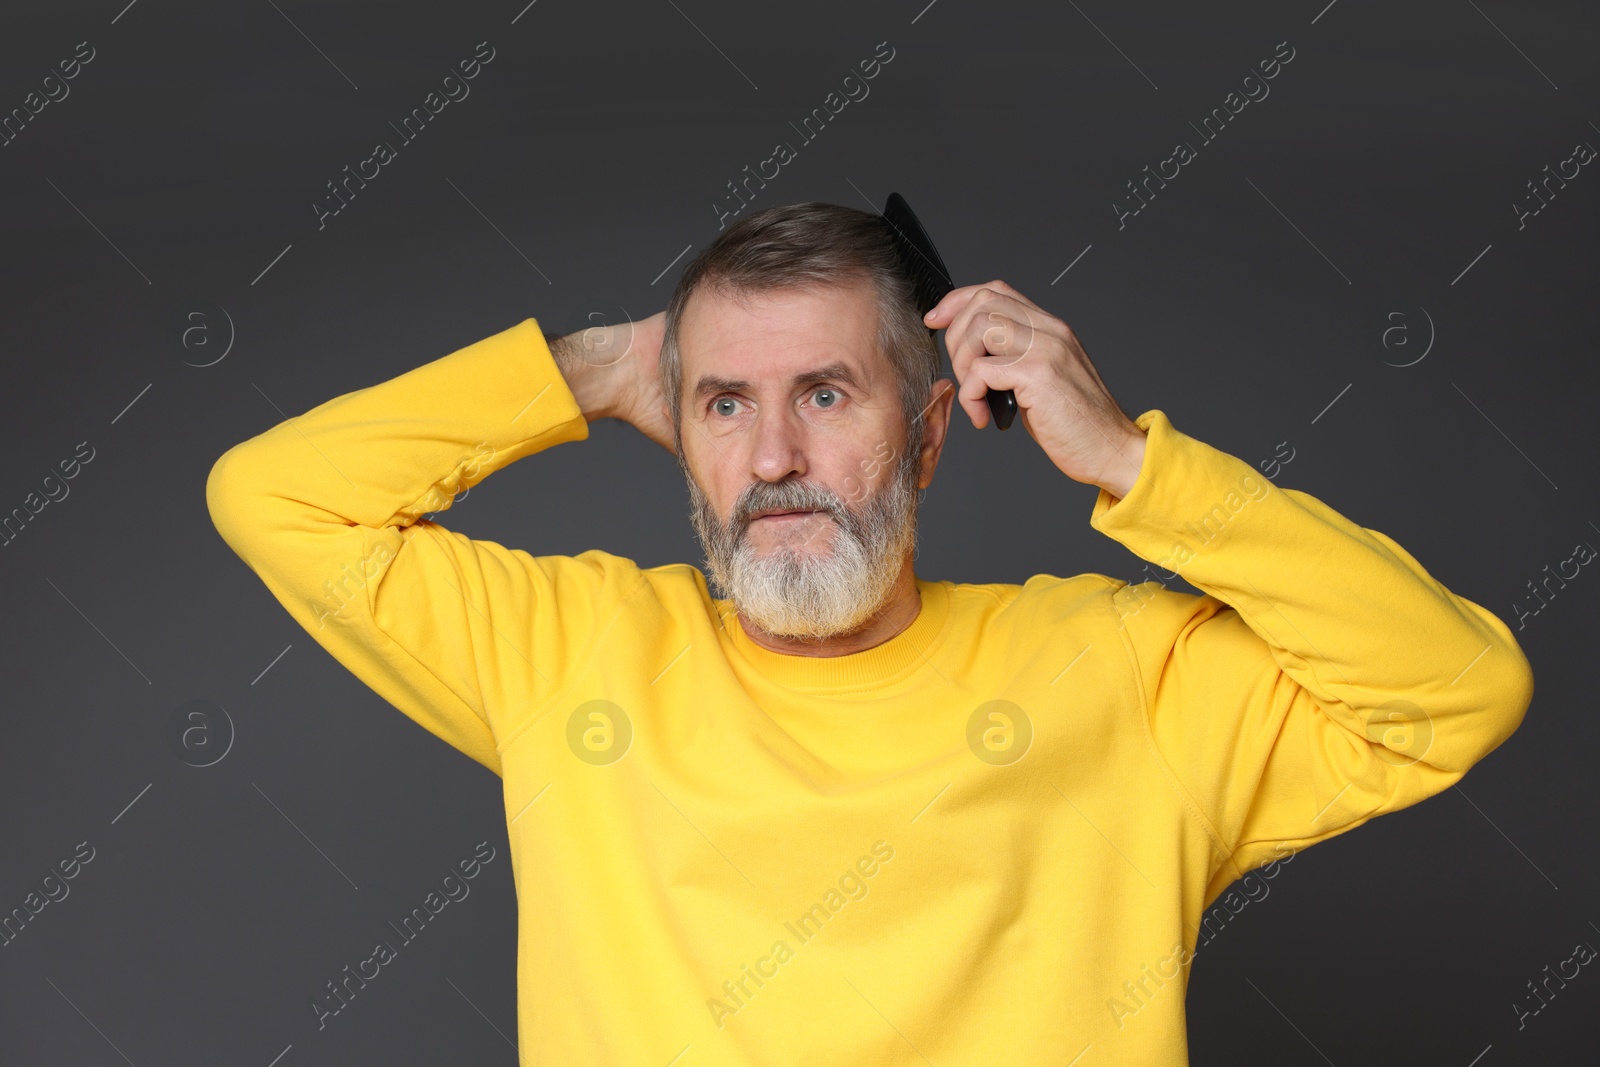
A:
<point x="771" y="336"/>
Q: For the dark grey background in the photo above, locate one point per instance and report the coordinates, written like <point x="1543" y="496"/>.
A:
<point x="1253" y="292"/>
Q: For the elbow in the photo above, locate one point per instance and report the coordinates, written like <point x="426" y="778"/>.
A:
<point x="1502" y="698"/>
<point x="1498" y="688"/>
<point x="229" y="488"/>
<point x="1512" y="691"/>
<point x="1466" y="719"/>
<point x="1516" y="693"/>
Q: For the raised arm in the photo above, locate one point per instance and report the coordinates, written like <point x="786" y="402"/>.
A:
<point x="1325" y="678"/>
<point x="464" y="636"/>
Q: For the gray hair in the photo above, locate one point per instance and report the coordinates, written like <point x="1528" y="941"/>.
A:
<point x="812" y="246"/>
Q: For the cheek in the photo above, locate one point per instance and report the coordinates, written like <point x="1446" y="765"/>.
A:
<point x="718" y="481"/>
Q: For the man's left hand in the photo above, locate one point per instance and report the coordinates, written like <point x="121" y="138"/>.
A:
<point x="999" y="339"/>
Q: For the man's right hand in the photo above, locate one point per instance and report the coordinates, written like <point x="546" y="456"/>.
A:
<point x="614" y="373"/>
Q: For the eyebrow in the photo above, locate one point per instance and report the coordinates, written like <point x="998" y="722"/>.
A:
<point x="836" y="372"/>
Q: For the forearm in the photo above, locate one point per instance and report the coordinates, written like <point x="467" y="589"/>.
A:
<point x="593" y="366"/>
<point x="1348" y="614"/>
<point x="1123" y="470"/>
<point x="294" y="500"/>
<point x="325" y="509"/>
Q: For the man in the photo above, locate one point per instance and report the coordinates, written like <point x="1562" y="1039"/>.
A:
<point x="839" y="813"/>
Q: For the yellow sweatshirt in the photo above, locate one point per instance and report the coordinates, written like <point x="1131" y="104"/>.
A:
<point x="988" y="840"/>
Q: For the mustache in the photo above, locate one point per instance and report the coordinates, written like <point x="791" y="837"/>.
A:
<point x="784" y="496"/>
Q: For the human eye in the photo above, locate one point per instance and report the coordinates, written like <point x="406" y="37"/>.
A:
<point x="724" y="405"/>
<point x="826" y="396"/>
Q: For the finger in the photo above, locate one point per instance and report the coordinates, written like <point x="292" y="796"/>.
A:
<point x="1007" y="289"/>
<point x="982" y="338"/>
<point x="974" y="387"/>
<point x="985" y="372"/>
<point x="977" y="302"/>
<point x="950" y="305"/>
<point x="1020" y="311"/>
<point x="999" y="327"/>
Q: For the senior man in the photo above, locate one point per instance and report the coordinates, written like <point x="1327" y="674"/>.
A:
<point x="823" y="810"/>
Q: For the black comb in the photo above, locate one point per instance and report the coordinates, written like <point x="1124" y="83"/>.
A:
<point x="930" y="281"/>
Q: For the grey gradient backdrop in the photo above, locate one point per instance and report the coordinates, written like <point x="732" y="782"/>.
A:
<point x="1373" y="189"/>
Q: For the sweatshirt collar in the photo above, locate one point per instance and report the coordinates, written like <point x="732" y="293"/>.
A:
<point x="883" y="664"/>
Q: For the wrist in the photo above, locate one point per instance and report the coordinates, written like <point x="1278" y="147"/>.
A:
<point x="583" y="374"/>
<point x="1127" y="463"/>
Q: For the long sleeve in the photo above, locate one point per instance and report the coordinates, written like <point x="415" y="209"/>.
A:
<point x="1323" y="677"/>
<point x="462" y="635"/>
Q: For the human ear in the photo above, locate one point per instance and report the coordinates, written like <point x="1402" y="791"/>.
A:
<point x="936" y="427"/>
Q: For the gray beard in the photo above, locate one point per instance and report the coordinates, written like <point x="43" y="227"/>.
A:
<point x="826" y="583"/>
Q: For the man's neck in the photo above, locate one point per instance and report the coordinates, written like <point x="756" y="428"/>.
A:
<point x="899" y="612"/>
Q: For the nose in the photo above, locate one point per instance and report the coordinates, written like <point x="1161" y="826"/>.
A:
<point x="777" y="448"/>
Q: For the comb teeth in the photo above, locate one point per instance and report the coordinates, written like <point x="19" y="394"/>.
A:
<point x="930" y="281"/>
<point x="927" y="286"/>
<point x="919" y="261"/>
